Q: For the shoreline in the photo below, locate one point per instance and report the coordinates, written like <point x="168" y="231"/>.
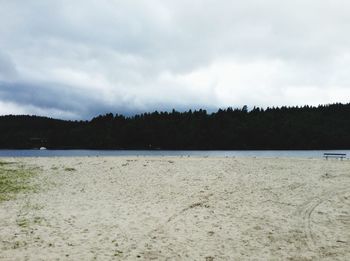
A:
<point x="171" y="153"/>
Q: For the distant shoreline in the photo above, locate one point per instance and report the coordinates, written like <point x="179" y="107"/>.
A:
<point x="155" y="153"/>
<point x="281" y="128"/>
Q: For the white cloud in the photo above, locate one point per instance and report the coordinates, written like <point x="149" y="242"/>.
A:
<point x="10" y="108"/>
<point x="130" y="56"/>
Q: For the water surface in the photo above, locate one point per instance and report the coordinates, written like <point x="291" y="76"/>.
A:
<point x="199" y="153"/>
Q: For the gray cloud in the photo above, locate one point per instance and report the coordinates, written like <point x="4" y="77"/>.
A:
<point x="7" y="68"/>
<point x="81" y="58"/>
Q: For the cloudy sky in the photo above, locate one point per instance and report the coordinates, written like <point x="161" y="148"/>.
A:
<point x="77" y="59"/>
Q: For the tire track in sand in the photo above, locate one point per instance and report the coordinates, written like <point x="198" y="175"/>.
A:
<point x="309" y="208"/>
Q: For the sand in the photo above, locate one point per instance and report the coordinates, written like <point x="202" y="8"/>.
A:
<point x="179" y="208"/>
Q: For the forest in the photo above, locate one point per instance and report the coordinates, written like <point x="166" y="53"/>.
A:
<point x="306" y="127"/>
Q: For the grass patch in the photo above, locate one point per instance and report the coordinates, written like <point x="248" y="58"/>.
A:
<point x="22" y="222"/>
<point x="14" y="180"/>
<point x="4" y="163"/>
<point x="70" y="169"/>
<point x="19" y="244"/>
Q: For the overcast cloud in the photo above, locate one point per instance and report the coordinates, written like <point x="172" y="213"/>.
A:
<point x="77" y="59"/>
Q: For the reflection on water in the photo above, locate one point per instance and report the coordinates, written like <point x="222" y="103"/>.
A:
<point x="199" y="153"/>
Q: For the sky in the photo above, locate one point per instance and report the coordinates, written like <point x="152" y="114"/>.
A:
<point x="78" y="59"/>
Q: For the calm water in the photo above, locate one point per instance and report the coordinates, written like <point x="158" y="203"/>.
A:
<point x="211" y="153"/>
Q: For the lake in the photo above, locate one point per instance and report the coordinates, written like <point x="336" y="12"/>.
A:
<point x="201" y="153"/>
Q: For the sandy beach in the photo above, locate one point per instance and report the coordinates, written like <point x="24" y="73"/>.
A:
<point x="179" y="208"/>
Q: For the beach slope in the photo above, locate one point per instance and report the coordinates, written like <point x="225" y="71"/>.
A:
<point x="178" y="208"/>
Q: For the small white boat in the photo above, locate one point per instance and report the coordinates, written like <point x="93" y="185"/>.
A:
<point x="42" y="148"/>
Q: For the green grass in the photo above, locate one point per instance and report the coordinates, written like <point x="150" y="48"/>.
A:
<point x="22" y="222"/>
<point x="4" y="163"/>
<point x="70" y="169"/>
<point x="14" y="180"/>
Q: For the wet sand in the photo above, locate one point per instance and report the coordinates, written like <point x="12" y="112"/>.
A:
<point x="179" y="208"/>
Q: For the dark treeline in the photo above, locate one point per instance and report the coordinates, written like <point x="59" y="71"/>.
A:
<point x="322" y="127"/>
